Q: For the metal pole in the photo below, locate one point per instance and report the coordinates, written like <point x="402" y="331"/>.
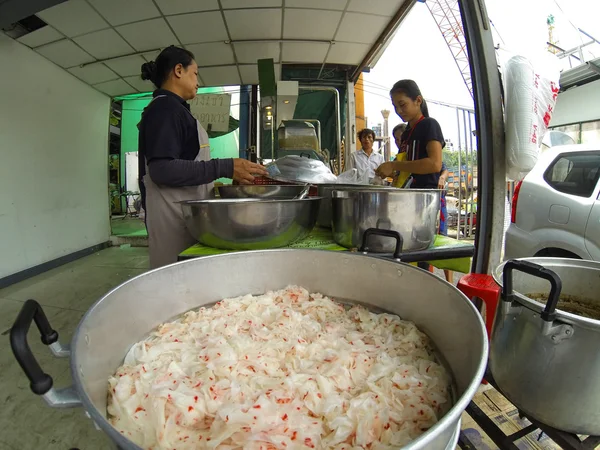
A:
<point x="253" y="118"/>
<point x="244" y="120"/>
<point x="459" y="178"/>
<point x="459" y="175"/>
<point x="468" y="221"/>
<point x="472" y="161"/>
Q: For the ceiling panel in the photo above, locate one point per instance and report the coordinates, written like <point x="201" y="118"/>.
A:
<point x="119" y="12"/>
<point x="64" y="53"/>
<point x="139" y="84"/>
<point x="254" y="24"/>
<point x="227" y="4"/>
<point x="220" y="76"/>
<point x="322" y="24"/>
<point x="251" y="52"/>
<point x="199" y="27"/>
<point x="344" y="53"/>
<point x="73" y="18"/>
<point x="169" y="7"/>
<point x="370" y="28"/>
<point x="212" y="54"/>
<point x="151" y="56"/>
<point x="148" y="35"/>
<point x="104" y="44"/>
<point x="339" y="5"/>
<point x="115" y="87"/>
<point x="94" y="73"/>
<point x="44" y="35"/>
<point x="127" y="66"/>
<point x="296" y="52"/>
<point x="249" y="74"/>
<point x="380" y="7"/>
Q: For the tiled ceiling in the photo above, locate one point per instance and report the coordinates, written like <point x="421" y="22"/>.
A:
<point x="104" y="42"/>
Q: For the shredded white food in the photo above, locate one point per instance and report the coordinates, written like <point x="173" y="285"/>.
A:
<point x="282" y="370"/>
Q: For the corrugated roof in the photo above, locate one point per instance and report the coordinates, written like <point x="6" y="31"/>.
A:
<point x="104" y="42"/>
<point x="582" y="74"/>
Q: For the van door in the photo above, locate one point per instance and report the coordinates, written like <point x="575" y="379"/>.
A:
<point x="487" y="94"/>
<point x="592" y="230"/>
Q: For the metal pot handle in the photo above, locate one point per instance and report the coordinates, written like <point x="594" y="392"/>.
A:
<point x="385" y="233"/>
<point x="508" y="295"/>
<point x="40" y="381"/>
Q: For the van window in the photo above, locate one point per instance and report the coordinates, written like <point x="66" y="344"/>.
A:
<point x="574" y="173"/>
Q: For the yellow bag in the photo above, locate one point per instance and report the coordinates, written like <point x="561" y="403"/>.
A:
<point x="400" y="177"/>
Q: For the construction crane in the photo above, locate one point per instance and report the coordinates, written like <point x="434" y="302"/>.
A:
<point x="446" y="14"/>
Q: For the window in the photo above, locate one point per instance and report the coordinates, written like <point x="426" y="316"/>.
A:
<point x="590" y="132"/>
<point x="574" y="173"/>
<point x="571" y="130"/>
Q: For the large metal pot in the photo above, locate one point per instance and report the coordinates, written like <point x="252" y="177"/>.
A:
<point x="543" y="359"/>
<point x="410" y="212"/>
<point x="126" y="315"/>
<point x="250" y="224"/>
<point x="324" y="191"/>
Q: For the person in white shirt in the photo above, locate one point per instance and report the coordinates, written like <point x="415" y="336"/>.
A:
<point x="366" y="160"/>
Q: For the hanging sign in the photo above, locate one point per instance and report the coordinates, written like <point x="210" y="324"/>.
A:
<point x="212" y="111"/>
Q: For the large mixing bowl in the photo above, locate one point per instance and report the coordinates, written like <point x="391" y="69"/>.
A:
<point x="410" y="212"/>
<point x="324" y="191"/>
<point x="250" y="224"/>
<point x="287" y="191"/>
<point x="126" y="315"/>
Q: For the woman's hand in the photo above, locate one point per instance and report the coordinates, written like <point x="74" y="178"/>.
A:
<point x="244" y="171"/>
<point x="441" y="182"/>
<point x="385" y="170"/>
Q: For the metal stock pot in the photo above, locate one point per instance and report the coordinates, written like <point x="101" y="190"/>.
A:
<point x="410" y="212"/>
<point x="125" y="316"/>
<point x="544" y="360"/>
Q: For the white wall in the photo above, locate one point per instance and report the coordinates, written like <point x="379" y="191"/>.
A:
<point x="578" y="104"/>
<point x="53" y="161"/>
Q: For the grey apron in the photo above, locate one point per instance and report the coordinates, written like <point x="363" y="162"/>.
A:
<point x="167" y="233"/>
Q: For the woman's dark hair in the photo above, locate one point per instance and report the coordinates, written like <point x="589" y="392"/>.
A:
<point x="400" y="126"/>
<point x="366" y="132"/>
<point x="411" y="90"/>
<point x="158" y="71"/>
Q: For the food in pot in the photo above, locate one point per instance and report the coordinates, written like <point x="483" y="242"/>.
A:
<point x="572" y="304"/>
<point x="282" y="370"/>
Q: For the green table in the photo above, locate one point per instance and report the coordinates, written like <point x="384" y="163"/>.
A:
<point x="322" y="239"/>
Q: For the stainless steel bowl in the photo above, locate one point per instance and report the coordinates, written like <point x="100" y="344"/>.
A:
<point x="258" y="191"/>
<point x="411" y="212"/>
<point x="250" y="224"/>
<point x="325" y="190"/>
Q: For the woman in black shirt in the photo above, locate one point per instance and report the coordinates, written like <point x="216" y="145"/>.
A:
<point x="174" y="150"/>
<point x="422" y="140"/>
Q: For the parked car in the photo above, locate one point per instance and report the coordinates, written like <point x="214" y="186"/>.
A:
<point x="556" y="208"/>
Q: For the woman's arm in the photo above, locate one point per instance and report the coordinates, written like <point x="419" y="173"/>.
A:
<point x="443" y="178"/>
<point x="431" y="164"/>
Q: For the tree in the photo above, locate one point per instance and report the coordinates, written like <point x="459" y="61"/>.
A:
<point x="450" y="157"/>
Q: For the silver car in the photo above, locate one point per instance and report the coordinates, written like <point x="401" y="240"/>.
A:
<point x="556" y="208"/>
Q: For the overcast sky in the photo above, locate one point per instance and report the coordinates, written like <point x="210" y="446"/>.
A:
<point x="418" y="51"/>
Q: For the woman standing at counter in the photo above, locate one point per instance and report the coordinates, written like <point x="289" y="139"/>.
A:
<point x="422" y="140"/>
<point x="174" y="163"/>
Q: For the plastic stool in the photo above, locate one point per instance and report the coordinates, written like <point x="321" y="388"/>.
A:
<point x="484" y="287"/>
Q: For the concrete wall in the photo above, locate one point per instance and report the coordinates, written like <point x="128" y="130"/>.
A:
<point x="578" y="104"/>
<point x="54" y="161"/>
